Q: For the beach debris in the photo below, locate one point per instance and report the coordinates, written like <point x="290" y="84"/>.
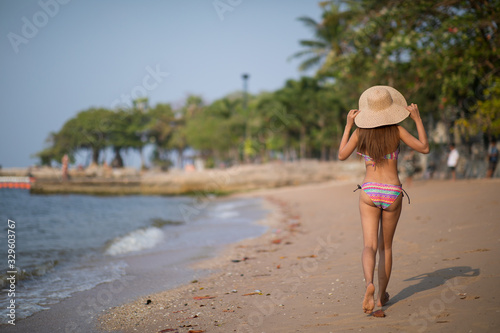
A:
<point x="199" y="298"/>
<point x="450" y="259"/>
<point x="234" y="291"/>
<point x="468" y="297"/>
<point x="256" y="292"/>
<point x="158" y="222"/>
<point x="264" y="250"/>
<point x="294" y="227"/>
<point x="278" y="267"/>
<point x="148" y="302"/>
<point x="378" y="314"/>
<point x="477" y="250"/>
<point x="310" y="256"/>
<point x="227" y="310"/>
<point x="276" y="241"/>
<point x="196" y="331"/>
<point x="239" y="260"/>
<point x="169" y="330"/>
<point x="194" y="281"/>
<point x="443" y="315"/>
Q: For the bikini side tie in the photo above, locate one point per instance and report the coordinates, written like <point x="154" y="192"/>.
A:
<point x="402" y="189"/>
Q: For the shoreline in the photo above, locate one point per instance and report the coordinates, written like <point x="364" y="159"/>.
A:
<point x="163" y="267"/>
<point x="241" y="178"/>
<point x="312" y="280"/>
<point x="229" y="256"/>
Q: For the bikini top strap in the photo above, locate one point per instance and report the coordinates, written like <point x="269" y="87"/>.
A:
<point x="394" y="155"/>
<point x="366" y="157"/>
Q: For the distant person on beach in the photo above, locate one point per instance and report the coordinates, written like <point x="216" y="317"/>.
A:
<point x="377" y="139"/>
<point x="492" y="158"/>
<point x="64" y="162"/>
<point x="453" y="161"/>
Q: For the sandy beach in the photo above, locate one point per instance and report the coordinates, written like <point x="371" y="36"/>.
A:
<point x="304" y="274"/>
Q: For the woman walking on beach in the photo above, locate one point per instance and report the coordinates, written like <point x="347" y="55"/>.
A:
<point x="377" y="139"/>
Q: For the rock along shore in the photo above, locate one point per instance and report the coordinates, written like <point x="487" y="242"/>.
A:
<point x="179" y="182"/>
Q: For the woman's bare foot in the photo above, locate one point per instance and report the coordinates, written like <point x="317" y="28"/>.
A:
<point x="368" y="301"/>
<point x="383" y="300"/>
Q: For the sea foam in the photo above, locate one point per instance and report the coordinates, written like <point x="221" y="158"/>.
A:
<point x="135" y="241"/>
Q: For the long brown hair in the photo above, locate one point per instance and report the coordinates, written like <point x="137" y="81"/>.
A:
<point x="378" y="142"/>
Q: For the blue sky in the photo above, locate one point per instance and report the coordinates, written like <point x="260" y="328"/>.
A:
<point x="75" y="54"/>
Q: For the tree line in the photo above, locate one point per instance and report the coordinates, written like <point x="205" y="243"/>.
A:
<point x="443" y="55"/>
<point x="292" y="122"/>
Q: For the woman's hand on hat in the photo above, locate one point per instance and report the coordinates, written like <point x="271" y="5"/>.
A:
<point x="413" y="109"/>
<point x="351" y="115"/>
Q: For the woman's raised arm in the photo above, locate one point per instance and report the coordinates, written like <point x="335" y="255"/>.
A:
<point x="421" y="144"/>
<point x="347" y="145"/>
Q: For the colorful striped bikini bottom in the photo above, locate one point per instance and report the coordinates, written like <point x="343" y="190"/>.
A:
<point x="382" y="195"/>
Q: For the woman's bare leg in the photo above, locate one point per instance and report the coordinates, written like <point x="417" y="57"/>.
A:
<point x="370" y="217"/>
<point x="389" y="221"/>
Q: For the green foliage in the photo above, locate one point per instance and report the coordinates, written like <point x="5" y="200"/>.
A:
<point x="486" y="118"/>
<point x="90" y="129"/>
<point x="54" y="152"/>
<point x="439" y="53"/>
<point x="303" y="115"/>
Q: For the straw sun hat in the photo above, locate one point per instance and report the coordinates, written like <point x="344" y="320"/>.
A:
<point x="380" y="106"/>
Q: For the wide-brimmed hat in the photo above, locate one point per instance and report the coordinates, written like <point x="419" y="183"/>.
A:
<point x="380" y="106"/>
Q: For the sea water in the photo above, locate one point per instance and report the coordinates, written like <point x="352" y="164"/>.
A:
<point x="70" y="243"/>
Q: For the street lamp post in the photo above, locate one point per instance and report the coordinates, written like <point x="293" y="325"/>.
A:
<point x="245" y="89"/>
<point x="247" y="129"/>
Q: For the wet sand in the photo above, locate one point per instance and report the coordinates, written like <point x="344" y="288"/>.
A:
<point x="304" y="274"/>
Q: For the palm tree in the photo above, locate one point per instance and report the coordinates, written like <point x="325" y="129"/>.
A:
<point x="329" y="43"/>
